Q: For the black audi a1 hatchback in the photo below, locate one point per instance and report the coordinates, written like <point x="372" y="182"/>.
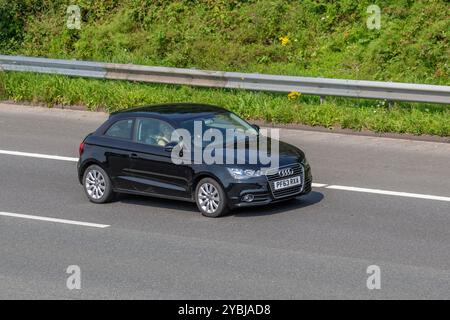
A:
<point x="162" y="151"/>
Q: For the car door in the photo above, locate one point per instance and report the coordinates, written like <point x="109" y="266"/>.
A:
<point x="116" y="144"/>
<point x="151" y="163"/>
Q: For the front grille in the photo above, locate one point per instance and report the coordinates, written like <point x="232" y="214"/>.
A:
<point x="273" y="176"/>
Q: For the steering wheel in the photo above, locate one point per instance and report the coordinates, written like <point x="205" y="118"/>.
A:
<point x="162" y="141"/>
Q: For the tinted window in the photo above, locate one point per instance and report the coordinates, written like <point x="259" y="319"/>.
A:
<point x="154" y="132"/>
<point x="121" y="129"/>
<point x="221" y="121"/>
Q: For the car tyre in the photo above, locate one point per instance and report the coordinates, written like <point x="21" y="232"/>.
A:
<point x="210" y="198"/>
<point x="97" y="185"/>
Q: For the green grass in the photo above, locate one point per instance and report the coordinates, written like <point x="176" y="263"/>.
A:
<point x="116" y="95"/>
<point x="326" y="39"/>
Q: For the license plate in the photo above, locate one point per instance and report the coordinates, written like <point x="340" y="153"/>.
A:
<point x="286" y="183"/>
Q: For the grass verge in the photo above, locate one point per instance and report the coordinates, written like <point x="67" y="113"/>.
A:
<point x="111" y="96"/>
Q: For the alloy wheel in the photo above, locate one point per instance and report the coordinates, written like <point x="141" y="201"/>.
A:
<point x="208" y="198"/>
<point x="95" y="184"/>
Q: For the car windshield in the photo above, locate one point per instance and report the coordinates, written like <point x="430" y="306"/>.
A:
<point x="221" y="121"/>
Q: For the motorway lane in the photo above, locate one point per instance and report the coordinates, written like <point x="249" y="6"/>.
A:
<point x="391" y="164"/>
<point x="316" y="247"/>
<point x="374" y="162"/>
<point x="127" y="263"/>
<point x="43" y="130"/>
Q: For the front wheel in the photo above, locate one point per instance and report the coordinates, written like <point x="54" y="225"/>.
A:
<point x="210" y="198"/>
<point x="97" y="185"/>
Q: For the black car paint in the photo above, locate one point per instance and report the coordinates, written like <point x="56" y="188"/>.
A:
<point x="142" y="169"/>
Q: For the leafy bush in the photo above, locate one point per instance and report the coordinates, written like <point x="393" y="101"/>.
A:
<point x="323" y="38"/>
<point x="11" y="24"/>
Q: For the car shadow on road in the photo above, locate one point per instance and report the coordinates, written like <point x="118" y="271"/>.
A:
<point x="280" y="207"/>
<point x="274" y="208"/>
<point x="160" y="203"/>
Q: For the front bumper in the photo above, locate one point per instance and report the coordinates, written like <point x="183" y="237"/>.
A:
<point x="261" y="191"/>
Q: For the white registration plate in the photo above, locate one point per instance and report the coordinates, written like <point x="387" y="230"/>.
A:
<point x="286" y="183"/>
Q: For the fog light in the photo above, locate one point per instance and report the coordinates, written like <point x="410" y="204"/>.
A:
<point x="248" y="198"/>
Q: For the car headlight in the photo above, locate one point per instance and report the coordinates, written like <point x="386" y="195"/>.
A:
<point x="244" y="173"/>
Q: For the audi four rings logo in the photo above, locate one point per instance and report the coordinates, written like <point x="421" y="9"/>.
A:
<point x="285" y="172"/>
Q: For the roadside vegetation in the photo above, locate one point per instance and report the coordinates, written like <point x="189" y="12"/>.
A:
<point x="306" y="38"/>
<point x="112" y="95"/>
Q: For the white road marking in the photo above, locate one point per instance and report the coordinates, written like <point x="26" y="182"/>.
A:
<point x="390" y="193"/>
<point x="315" y="185"/>
<point x="79" y="223"/>
<point x="318" y="185"/>
<point x="37" y="155"/>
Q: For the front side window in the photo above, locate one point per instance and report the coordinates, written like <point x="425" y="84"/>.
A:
<point x="122" y="129"/>
<point x="154" y="132"/>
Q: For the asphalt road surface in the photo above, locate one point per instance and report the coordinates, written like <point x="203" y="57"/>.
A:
<point x="376" y="201"/>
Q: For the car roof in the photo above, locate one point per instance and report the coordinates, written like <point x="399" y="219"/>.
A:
<point x="173" y="111"/>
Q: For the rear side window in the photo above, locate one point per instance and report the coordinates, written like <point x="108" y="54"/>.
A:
<point x="122" y="129"/>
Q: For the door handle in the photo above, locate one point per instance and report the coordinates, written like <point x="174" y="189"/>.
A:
<point x="134" y="156"/>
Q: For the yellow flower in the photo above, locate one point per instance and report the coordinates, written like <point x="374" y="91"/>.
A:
<point x="293" y="95"/>
<point x="284" y="40"/>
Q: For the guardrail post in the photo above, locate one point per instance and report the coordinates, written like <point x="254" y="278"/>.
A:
<point x="390" y="104"/>
<point x="322" y="99"/>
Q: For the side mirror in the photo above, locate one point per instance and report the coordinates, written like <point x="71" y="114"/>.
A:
<point x="169" y="147"/>
<point x="256" y="127"/>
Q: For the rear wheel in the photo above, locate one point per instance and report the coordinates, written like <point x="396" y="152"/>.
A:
<point x="210" y="198"/>
<point x="97" y="185"/>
